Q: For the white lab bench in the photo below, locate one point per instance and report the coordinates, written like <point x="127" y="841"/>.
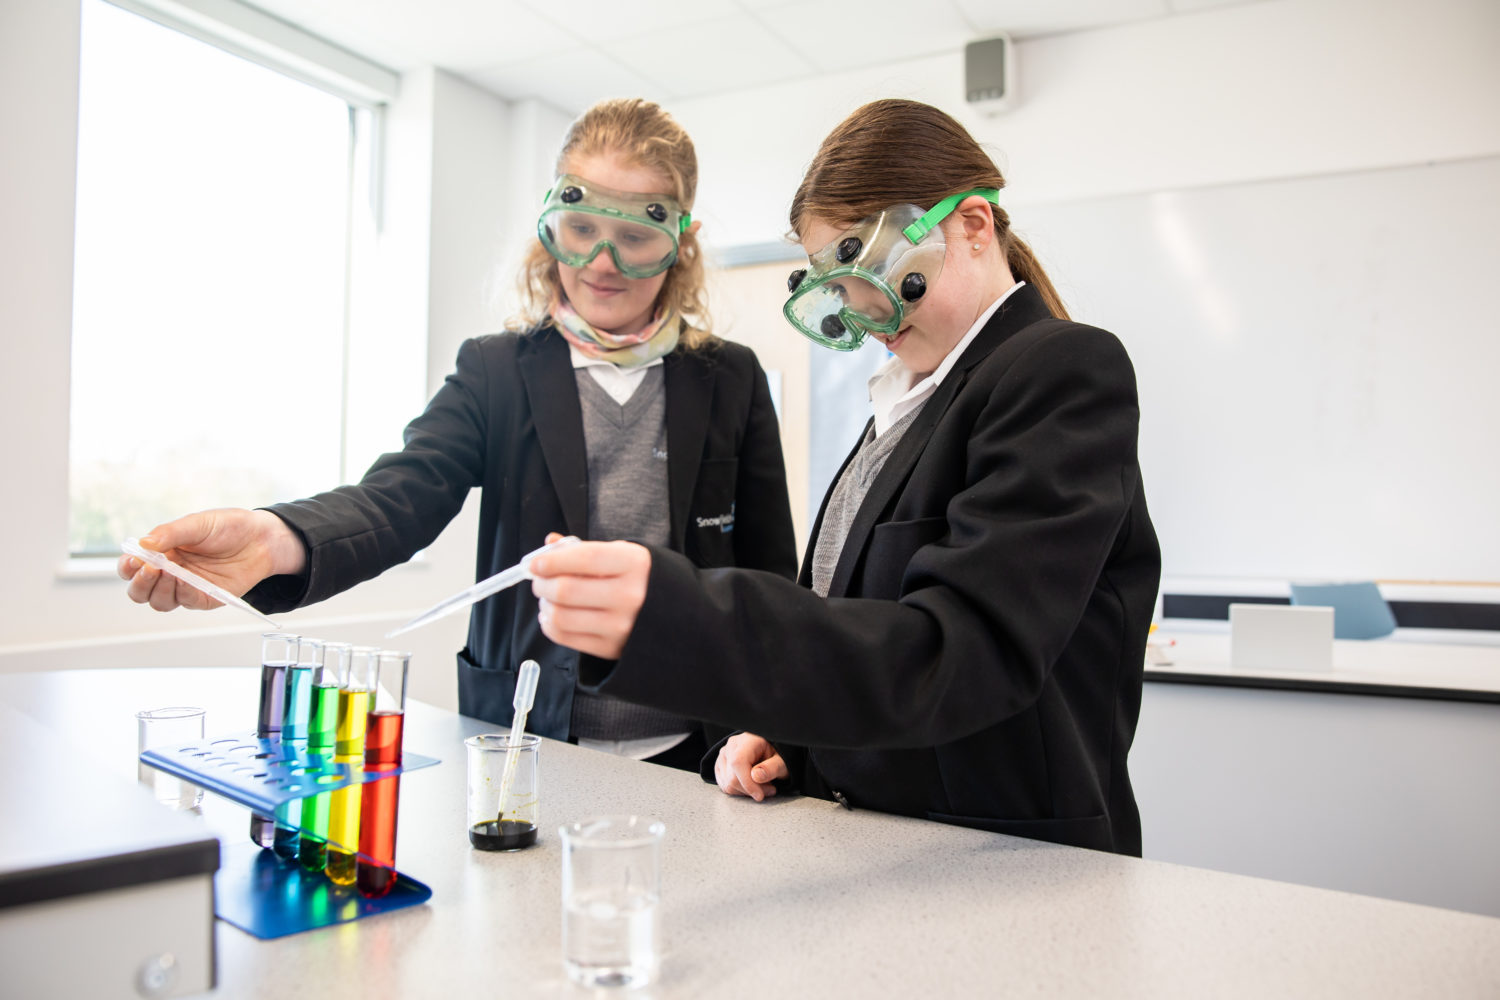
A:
<point x="794" y="897"/>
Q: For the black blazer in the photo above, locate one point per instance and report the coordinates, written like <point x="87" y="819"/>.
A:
<point x="508" y="420"/>
<point x="979" y="658"/>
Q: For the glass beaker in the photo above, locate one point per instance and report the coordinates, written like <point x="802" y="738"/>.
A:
<point x="611" y="888"/>
<point x="495" y="824"/>
<point x="168" y="727"/>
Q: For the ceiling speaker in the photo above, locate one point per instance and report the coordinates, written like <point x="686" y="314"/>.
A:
<point x="990" y="74"/>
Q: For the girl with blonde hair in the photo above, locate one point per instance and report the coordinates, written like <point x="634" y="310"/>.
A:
<point x="613" y="413"/>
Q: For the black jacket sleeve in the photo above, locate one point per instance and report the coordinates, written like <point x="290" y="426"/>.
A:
<point x="988" y="596"/>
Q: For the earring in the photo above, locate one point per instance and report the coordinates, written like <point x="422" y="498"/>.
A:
<point x="976" y="246"/>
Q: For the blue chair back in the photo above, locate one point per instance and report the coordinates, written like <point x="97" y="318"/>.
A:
<point x="1359" y="612"/>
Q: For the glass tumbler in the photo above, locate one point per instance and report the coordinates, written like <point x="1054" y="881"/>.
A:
<point x="496" y="825"/>
<point x="168" y="727"/>
<point x="611" y="888"/>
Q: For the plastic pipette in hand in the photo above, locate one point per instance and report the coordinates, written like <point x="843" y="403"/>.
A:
<point x="132" y="547"/>
<point x="484" y="588"/>
<point x="525" y="695"/>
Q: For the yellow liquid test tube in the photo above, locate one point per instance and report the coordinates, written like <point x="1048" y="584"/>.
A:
<point x="343" y="812"/>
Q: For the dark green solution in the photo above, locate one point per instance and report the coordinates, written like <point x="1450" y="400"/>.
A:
<point x="502" y="835"/>
<point x="298" y="707"/>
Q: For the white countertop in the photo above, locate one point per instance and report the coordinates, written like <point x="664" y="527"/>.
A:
<point x="792" y="898"/>
<point x="1401" y="659"/>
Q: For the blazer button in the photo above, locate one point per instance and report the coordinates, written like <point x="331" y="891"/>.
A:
<point x="838" y="797"/>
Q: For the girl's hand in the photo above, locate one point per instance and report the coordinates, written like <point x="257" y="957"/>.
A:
<point x="747" y="765"/>
<point x="590" y="594"/>
<point x="234" y="548"/>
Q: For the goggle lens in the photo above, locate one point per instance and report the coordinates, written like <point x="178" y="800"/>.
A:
<point x="580" y="219"/>
<point x="578" y="236"/>
<point x="840" y="311"/>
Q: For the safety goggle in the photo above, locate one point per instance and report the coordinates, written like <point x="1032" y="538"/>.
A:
<point x="640" y="231"/>
<point x="872" y="275"/>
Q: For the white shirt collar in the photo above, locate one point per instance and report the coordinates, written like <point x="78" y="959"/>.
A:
<point x="620" y="383"/>
<point x="893" y="394"/>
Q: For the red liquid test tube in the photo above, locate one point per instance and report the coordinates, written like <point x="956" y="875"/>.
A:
<point x="375" y="873"/>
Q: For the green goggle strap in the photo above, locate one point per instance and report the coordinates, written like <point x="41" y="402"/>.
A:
<point x="687" y="217"/>
<point x="939" y="212"/>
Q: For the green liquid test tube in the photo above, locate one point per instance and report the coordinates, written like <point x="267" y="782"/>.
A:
<point x="322" y="725"/>
<point x="298" y="709"/>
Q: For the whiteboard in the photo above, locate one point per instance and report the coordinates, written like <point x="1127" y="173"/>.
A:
<point x="1318" y="362"/>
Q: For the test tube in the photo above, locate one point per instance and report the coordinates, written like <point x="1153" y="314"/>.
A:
<point x="376" y="869"/>
<point x="298" y="711"/>
<point x="312" y="849"/>
<point x="356" y="681"/>
<point x="278" y="651"/>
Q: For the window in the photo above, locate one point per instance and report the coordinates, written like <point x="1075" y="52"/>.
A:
<point x="217" y="212"/>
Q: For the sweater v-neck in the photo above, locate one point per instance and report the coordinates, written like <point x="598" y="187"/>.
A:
<point x="625" y="414"/>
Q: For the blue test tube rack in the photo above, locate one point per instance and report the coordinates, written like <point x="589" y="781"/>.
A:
<point x="254" y="889"/>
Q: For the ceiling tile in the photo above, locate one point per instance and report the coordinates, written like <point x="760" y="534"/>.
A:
<point x="756" y="6"/>
<point x="456" y="35"/>
<point x="604" y="22"/>
<point x="836" y="35"/>
<point x="728" y="54"/>
<point x="1022" y="18"/>
<point x="570" y="80"/>
<point x="1186" y="6"/>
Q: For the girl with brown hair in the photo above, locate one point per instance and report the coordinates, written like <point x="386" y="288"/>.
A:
<point x="967" y="642"/>
<point x="614" y="413"/>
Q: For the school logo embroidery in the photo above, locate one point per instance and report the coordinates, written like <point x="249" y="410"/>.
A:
<point x="724" y="522"/>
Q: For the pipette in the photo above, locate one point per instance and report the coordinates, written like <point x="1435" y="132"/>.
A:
<point x="484" y="588"/>
<point x="525" y="695"/>
<point x="132" y="547"/>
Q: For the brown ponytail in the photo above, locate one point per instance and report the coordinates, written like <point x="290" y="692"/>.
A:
<point x="895" y="152"/>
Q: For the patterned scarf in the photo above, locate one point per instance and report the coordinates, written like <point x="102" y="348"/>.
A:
<point x="657" y="339"/>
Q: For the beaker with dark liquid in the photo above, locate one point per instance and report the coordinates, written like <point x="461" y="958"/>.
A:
<point x="278" y="651"/>
<point x="375" y="870"/>
<point x="502" y="816"/>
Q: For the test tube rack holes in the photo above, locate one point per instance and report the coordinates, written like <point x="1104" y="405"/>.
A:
<point x="255" y="890"/>
<point x="263" y="773"/>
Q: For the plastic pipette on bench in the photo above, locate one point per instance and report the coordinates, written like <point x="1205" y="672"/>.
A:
<point x="525" y="695"/>
<point x="484" y="588"/>
<point x="132" y="547"/>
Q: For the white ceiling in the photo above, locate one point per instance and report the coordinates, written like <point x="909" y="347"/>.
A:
<point x="571" y="53"/>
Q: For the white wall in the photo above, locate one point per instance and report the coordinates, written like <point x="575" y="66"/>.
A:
<point x="1226" y="100"/>
<point x="38" y="59"/>
<point x="1273" y="89"/>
